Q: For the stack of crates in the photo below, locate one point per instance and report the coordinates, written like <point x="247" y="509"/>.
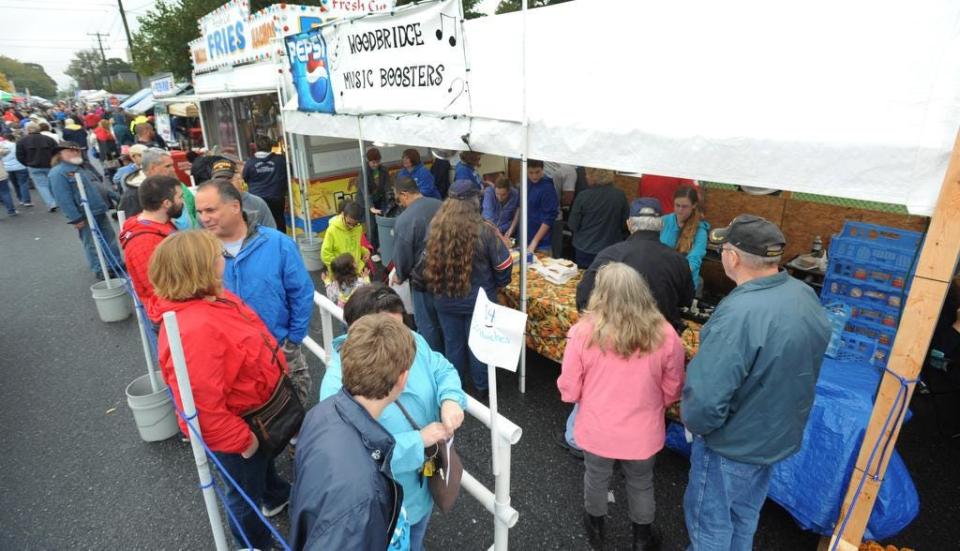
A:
<point x="870" y="271"/>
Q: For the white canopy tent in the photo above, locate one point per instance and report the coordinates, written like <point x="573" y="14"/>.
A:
<point x="859" y="99"/>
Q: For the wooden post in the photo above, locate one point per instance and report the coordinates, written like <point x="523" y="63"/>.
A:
<point x="935" y="269"/>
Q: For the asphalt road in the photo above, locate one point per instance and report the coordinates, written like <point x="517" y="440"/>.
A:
<point x="75" y="475"/>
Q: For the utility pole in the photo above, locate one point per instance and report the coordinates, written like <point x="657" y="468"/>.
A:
<point x="102" y="55"/>
<point x="126" y="29"/>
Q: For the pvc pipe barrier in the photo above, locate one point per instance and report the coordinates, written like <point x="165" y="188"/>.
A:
<point x="312" y="346"/>
<point x="508" y="430"/>
<point x="508" y="515"/>
<point x="91" y="223"/>
<point x="190" y="412"/>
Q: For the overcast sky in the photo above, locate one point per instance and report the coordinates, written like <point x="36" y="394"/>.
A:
<point x="48" y="32"/>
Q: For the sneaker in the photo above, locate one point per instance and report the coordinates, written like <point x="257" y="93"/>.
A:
<point x="52" y="209"/>
<point x="270" y="513"/>
<point x="12" y="213"/>
<point x="28" y="204"/>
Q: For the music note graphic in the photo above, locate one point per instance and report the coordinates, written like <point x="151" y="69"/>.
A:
<point x="461" y="86"/>
<point x="453" y="37"/>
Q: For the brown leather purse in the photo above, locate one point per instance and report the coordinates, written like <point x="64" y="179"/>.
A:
<point x="445" y="488"/>
<point x="279" y="419"/>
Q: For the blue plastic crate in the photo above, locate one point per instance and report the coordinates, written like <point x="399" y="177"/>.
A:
<point x="869" y="294"/>
<point x="883" y="237"/>
<point x="856" y="349"/>
<point x="874" y="255"/>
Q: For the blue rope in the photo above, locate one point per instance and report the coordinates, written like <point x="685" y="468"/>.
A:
<point x="116" y="265"/>
<point x="230" y="515"/>
<point x="899" y="408"/>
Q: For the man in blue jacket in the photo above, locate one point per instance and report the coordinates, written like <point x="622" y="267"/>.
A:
<point x="264" y="268"/>
<point x="750" y="388"/>
<point x="68" y="158"/>
<point x="345" y="495"/>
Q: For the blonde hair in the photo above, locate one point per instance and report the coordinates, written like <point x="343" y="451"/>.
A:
<point x="378" y="350"/>
<point x="599" y="175"/>
<point x="183" y="266"/>
<point x="624" y="313"/>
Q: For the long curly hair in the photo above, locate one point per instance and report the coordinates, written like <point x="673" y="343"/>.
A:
<point x="624" y="313"/>
<point x="451" y="246"/>
<point x="689" y="231"/>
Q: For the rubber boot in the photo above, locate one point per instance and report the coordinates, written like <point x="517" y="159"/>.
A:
<point x="595" y="531"/>
<point x="645" y="538"/>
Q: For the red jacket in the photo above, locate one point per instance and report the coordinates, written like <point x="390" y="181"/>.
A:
<point x="233" y="361"/>
<point x="139" y="238"/>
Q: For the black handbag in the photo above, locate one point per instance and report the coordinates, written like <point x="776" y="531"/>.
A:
<point x="279" y="419"/>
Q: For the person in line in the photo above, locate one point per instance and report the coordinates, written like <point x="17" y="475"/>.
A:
<point x="345" y="235"/>
<point x="345" y="495"/>
<point x="91" y="120"/>
<point x="414" y="169"/>
<point x="153" y="162"/>
<point x="5" y="196"/>
<point x="500" y="207"/>
<point x="266" y="176"/>
<point x="121" y="128"/>
<point x="162" y="201"/>
<point x="623" y="365"/>
<point x="464" y="254"/>
<point x="47" y="131"/>
<point x="542" y="208"/>
<point x="750" y="389"/>
<point x="265" y="269"/>
<point x="147" y="136"/>
<point x="686" y="231"/>
<point x="16" y="172"/>
<point x="433" y="397"/>
<point x="135" y="155"/>
<point x="35" y="152"/>
<point x="468" y="169"/>
<point x="233" y="366"/>
<point x="67" y="160"/>
<point x="343" y="272"/>
<point x="598" y="218"/>
<point x="258" y="212"/>
<point x="379" y="191"/>
<point x="73" y="132"/>
<point x="410" y="241"/>
<point x="108" y="149"/>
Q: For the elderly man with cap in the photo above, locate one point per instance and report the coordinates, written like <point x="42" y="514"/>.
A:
<point x="63" y="183"/>
<point x="258" y="211"/>
<point x="35" y="151"/>
<point x="750" y="388"/>
<point x="665" y="270"/>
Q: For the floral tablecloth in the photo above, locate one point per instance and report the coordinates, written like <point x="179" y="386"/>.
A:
<point x="552" y="310"/>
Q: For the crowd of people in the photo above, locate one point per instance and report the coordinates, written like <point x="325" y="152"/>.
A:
<point x="396" y="383"/>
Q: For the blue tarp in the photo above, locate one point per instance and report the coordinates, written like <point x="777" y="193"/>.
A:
<point x="136" y="98"/>
<point x="811" y="484"/>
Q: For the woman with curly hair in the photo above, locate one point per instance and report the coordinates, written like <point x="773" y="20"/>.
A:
<point x="464" y="254"/>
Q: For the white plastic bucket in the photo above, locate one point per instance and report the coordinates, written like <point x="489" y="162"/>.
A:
<point x="113" y="304"/>
<point x="311" y="254"/>
<point x="152" y="411"/>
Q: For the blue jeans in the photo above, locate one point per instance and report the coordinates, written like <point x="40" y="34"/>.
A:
<point x="568" y="434"/>
<point x="21" y="184"/>
<point x="456" y="330"/>
<point x="428" y="324"/>
<point x="41" y="179"/>
<point x="6" y="198"/>
<point x="90" y="250"/>
<point x="723" y="500"/>
<point x="259" y="479"/>
<point x="417" y="533"/>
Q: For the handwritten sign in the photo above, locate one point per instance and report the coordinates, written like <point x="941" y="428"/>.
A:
<point x="412" y="60"/>
<point x="496" y="333"/>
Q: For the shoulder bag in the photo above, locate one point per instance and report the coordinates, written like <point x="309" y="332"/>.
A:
<point x="444" y="489"/>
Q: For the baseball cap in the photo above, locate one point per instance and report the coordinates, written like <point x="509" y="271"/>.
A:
<point x="464" y="189"/>
<point x="223" y="168"/>
<point x="137" y="149"/>
<point x="645" y="206"/>
<point x="752" y="234"/>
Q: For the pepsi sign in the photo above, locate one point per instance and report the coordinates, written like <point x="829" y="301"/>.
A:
<point x="310" y="69"/>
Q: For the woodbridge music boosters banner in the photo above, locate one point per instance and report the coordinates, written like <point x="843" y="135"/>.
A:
<point x="412" y="61"/>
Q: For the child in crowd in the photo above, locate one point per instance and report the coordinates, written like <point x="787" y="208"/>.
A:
<point x="344" y="279"/>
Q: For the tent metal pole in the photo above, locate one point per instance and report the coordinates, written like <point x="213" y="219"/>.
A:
<point x="286" y="138"/>
<point x="365" y="192"/>
<point x="523" y="193"/>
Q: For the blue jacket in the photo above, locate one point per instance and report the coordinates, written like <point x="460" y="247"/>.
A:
<point x="121" y="130"/>
<point x="467" y="172"/>
<point x="344" y="495"/>
<point x="123" y="171"/>
<point x="64" y="188"/>
<point x="543" y="205"/>
<point x="423" y="178"/>
<point x="750" y="388"/>
<point x="269" y="275"/>
<point x="432" y="380"/>
<point x="492" y="269"/>
<point x="670" y="234"/>
<point x="500" y="214"/>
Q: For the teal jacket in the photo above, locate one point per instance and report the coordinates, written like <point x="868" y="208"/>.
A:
<point x="750" y="388"/>
<point x="670" y="234"/>
<point x="432" y="380"/>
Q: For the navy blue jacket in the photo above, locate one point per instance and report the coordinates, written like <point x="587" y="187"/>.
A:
<point x="492" y="269"/>
<point x="266" y="176"/>
<point x="344" y="496"/>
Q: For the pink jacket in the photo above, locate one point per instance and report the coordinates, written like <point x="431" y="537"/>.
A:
<point x="622" y="400"/>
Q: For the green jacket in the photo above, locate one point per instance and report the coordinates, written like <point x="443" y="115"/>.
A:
<point x="340" y="239"/>
<point x="750" y="388"/>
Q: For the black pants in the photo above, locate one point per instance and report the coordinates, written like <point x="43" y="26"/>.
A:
<point x="276" y="205"/>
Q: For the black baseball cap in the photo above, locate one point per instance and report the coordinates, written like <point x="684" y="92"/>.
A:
<point x="463" y="189"/>
<point x="752" y="234"/>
